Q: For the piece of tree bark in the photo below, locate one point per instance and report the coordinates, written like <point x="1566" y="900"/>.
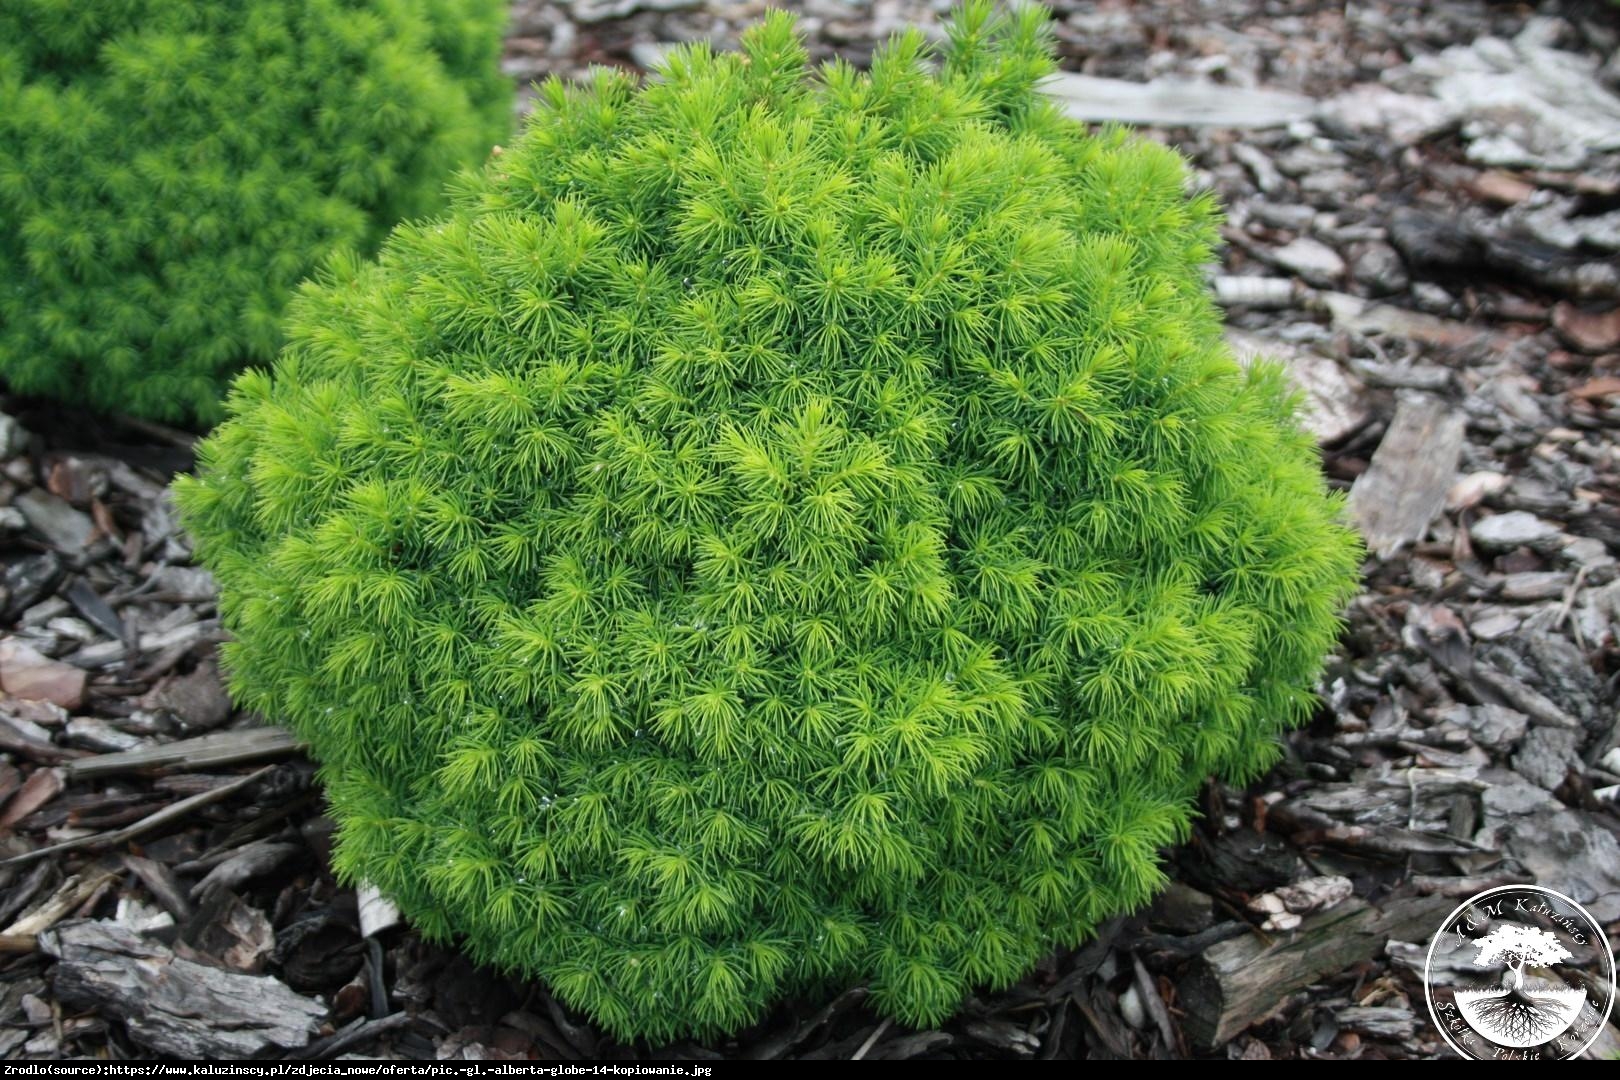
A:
<point x="1405" y="485"/>
<point x="1372" y="319"/>
<point x="28" y="740"/>
<point x="1236" y="983"/>
<point x="1241" y="860"/>
<point x="1452" y="243"/>
<point x="41" y="787"/>
<point x="1154" y="1002"/>
<point x="90" y="604"/>
<point x="202" y="753"/>
<point x="908" y="1047"/>
<point x="788" y="1039"/>
<point x="358" y="1034"/>
<point x="1333" y="400"/>
<point x="1169" y="102"/>
<point x="175" y="1006"/>
<point x="165" y="816"/>
<point x="69" y="895"/>
<point x="237" y="935"/>
<point x="27" y="673"/>
<point x="162" y="884"/>
<point x="1264" y="293"/>
<point x="17" y="895"/>
<point x="243" y="864"/>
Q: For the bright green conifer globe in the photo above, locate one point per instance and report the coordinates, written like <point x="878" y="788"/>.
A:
<point x="171" y="169"/>
<point x="778" y="530"/>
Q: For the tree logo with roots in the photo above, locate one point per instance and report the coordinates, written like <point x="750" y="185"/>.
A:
<point x="1520" y="972"/>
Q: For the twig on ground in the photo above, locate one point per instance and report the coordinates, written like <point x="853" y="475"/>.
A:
<point x="147" y="824"/>
<point x="199" y="754"/>
<point x="870" y="1039"/>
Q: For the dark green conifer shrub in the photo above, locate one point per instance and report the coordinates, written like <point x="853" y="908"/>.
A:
<point x="777" y="530"/>
<point x="171" y="169"/>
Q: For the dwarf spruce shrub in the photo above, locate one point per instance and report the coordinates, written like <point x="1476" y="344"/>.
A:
<point x="778" y="529"/>
<point x="171" y="169"/>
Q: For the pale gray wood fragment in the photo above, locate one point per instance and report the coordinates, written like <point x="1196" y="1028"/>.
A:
<point x="200" y="754"/>
<point x="1175" y="102"/>
<point x="1405" y="485"/>
<point x="1237" y="982"/>
<point x="175" y="1006"/>
<point x="1334" y="400"/>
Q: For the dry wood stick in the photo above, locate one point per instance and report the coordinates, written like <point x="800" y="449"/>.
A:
<point x="152" y="821"/>
<point x="201" y="753"/>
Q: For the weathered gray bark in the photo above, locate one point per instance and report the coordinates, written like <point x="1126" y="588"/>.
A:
<point x="1404" y="488"/>
<point x="175" y="1006"/>
<point x="200" y="754"/>
<point x="1237" y="982"/>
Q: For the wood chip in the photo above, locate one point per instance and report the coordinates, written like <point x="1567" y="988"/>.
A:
<point x="377" y="912"/>
<point x="1362" y="317"/>
<point x="908" y="1047"/>
<point x="1405" y="486"/>
<point x="1301" y="898"/>
<point x="197" y="699"/>
<point x="166" y="816"/>
<point x="1257" y="292"/>
<point x="98" y="735"/>
<point x="27" y="673"/>
<point x="1334" y="400"/>
<point x="141" y="917"/>
<point x="175" y="1006"/>
<point x="42" y="786"/>
<point x="1153" y="1001"/>
<point x="56" y="907"/>
<point x="1475" y="488"/>
<point x="67" y="530"/>
<point x="89" y="603"/>
<point x="1502" y="188"/>
<point x="1601" y="387"/>
<point x="1003" y="1035"/>
<point x="19" y="736"/>
<point x="201" y="753"/>
<point x="162" y="884"/>
<point x="236" y="934"/>
<point x="10" y="780"/>
<point x="777" y="1045"/>
<point x="353" y="1037"/>
<point x="1589" y="331"/>
<point x="1109" y="1028"/>
<point x="1237" y="982"/>
<point x="244" y="864"/>
<point x="1175" y="103"/>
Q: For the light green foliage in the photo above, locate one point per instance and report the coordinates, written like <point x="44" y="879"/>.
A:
<point x="777" y="530"/>
<point x="171" y="169"/>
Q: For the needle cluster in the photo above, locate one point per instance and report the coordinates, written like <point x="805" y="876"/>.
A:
<point x="171" y="169"/>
